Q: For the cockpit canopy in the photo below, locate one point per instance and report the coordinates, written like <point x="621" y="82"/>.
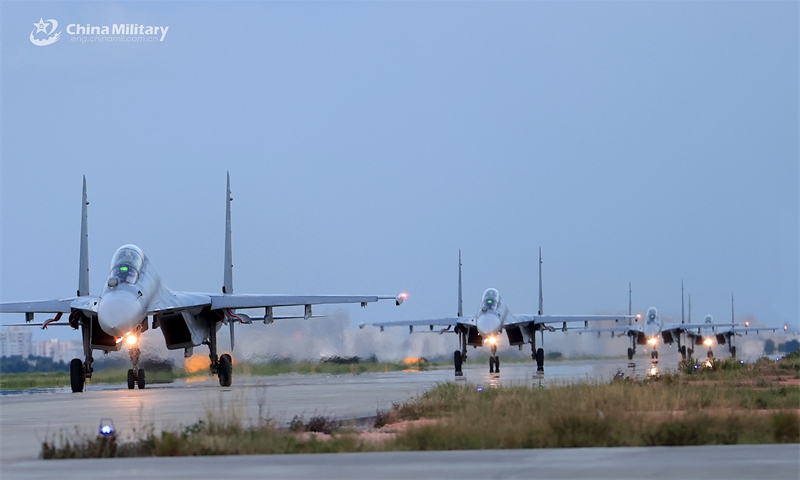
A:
<point x="709" y="319"/>
<point x="652" y="314"/>
<point x="491" y="300"/>
<point x="127" y="264"/>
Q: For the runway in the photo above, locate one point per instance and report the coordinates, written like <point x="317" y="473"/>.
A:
<point x="731" y="462"/>
<point x="27" y="418"/>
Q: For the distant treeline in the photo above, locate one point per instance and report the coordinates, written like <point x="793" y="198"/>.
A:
<point x="785" y="347"/>
<point x="20" y="364"/>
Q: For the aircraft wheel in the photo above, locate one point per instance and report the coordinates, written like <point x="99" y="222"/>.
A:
<point x="76" y="375"/>
<point x="457" y="362"/>
<point x="690" y="352"/>
<point x="131" y="379"/>
<point x="496" y="364"/>
<point x="630" y="353"/>
<point x="655" y="354"/>
<point x="710" y="354"/>
<point x="225" y="370"/>
<point x="540" y="360"/>
<point x="140" y="379"/>
<point x="683" y="352"/>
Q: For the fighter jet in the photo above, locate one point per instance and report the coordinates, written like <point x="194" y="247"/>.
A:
<point x="134" y="291"/>
<point x="723" y="334"/>
<point x="493" y="318"/>
<point x="704" y="333"/>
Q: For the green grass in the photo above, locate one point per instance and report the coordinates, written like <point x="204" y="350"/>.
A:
<point x="306" y="367"/>
<point x="21" y="381"/>
<point x="745" y="404"/>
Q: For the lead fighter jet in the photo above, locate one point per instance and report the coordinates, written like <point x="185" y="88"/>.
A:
<point x="134" y="291"/>
<point x="492" y="319"/>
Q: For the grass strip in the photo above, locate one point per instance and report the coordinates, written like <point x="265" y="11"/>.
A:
<point x="727" y="404"/>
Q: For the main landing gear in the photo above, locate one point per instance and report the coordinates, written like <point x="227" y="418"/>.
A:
<point x="221" y="366"/>
<point x="80" y="371"/>
<point x="537" y="354"/>
<point x="460" y="356"/>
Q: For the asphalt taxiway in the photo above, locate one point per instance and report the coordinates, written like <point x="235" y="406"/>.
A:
<point x="27" y="418"/>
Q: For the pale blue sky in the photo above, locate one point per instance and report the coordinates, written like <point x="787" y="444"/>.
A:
<point x="368" y="141"/>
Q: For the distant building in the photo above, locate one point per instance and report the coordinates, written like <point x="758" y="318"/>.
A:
<point x="58" y="350"/>
<point x="16" y="341"/>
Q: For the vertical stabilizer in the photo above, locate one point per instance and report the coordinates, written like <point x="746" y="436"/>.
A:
<point x="683" y="318"/>
<point x="732" y="321"/>
<point x="227" y="285"/>
<point x="83" y="263"/>
<point x="541" y="300"/>
<point x="460" y="297"/>
<point x="630" y="302"/>
<point x="690" y="308"/>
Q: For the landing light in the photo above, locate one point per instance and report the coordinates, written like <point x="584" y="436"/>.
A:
<point x="131" y="340"/>
<point x="652" y="341"/>
<point x="707" y="342"/>
<point x="106" y="427"/>
<point x="746" y="324"/>
<point x="492" y="340"/>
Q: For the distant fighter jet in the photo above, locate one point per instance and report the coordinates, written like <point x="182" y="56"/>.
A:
<point x="492" y="319"/>
<point x="134" y="291"/>
<point x="695" y="333"/>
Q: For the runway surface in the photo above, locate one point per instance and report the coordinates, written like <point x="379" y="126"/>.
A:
<point x="27" y="418"/>
<point x="733" y="462"/>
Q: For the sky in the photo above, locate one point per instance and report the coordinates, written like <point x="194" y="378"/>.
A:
<point x="367" y="142"/>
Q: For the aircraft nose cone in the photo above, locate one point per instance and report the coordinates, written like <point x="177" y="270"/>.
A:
<point x="119" y="312"/>
<point x="489" y="324"/>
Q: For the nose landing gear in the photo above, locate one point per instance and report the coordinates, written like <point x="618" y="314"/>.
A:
<point x="494" y="361"/>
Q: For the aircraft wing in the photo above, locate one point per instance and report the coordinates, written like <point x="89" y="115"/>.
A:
<point x="442" y="322"/>
<point x="757" y="329"/>
<point x="545" y="319"/>
<point x="689" y="326"/>
<point x="624" y="329"/>
<point x="256" y="301"/>
<point x="63" y="305"/>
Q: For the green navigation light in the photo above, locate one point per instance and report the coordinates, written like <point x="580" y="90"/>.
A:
<point x="123" y="269"/>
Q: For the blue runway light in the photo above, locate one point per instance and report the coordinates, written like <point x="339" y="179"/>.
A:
<point x="106" y="427"/>
<point x="741" y="361"/>
<point x="777" y="359"/>
<point x="479" y="388"/>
